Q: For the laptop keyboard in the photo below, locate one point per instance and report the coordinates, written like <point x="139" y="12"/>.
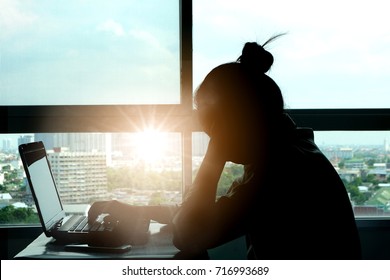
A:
<point x="82" y="225"/>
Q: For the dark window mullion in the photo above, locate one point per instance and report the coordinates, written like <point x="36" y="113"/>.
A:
<point x="343" y="119"/>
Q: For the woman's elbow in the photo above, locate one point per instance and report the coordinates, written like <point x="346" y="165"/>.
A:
<point x="189" y="234"/>
<point x="191" y="241"/>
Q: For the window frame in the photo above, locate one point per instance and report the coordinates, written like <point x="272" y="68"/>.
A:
<point x="178" y="117"/>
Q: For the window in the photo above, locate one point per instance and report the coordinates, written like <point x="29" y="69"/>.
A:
<point x="331" y="66"/>
<point x="81" y="53"/>
<point x="334" y="55"/>
<point x="94" y="82"/>
<point x="141" y="168"/>
<point x="109" y="76"/>
<point x="361" y="160"/>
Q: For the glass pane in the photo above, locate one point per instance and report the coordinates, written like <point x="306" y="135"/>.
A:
<point x="336" y="54"/>
<point x="84" y="53"/>
<point x="362" y="159"/>
<point x="143" y="168"/>
<point x="231" y="171"/>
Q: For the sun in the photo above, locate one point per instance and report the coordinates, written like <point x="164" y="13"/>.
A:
<point x="151" y="145"/>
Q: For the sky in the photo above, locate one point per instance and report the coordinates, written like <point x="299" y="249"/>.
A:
<point x="89" y="52"/>
<point x="336" y="53"/>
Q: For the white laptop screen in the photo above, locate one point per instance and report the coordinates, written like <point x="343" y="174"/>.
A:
<point x="42" y="184"/>
<point x="45" y="190"/>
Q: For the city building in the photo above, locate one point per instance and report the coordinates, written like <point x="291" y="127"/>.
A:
<point x="349" y="175"/>
<point x="81" y="177"/>
<point x="6" y="145"/>
<point x="380" y="172"/>
<point x="199" y="143"/>
<point x="77" y="142"/>
<point x="24" y="139"/>
<point x="338" y="153"/>
<point x="5" y="199"/>
<point x="355" y="164"/>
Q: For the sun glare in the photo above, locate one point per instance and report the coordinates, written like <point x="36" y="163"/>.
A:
<point x="151" y="145"/>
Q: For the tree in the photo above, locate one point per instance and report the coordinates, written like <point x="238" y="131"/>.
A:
<point x="353" y="189"/>
<point x="12" y="215"/>
<point x="229" y="174"/>
<point x="370" y="163"/>
<point x="157" y="198"/>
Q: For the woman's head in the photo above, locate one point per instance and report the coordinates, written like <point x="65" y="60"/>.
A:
<point x="238" y="98"/>
<point x="240" y="88"/>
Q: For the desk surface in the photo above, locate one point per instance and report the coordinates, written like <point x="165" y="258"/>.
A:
<point x="159" y="246"/>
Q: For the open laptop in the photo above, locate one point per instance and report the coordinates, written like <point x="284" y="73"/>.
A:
<point x="55" y="222"/>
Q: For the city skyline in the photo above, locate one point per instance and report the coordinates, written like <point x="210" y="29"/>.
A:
<point x="322" y="138"/>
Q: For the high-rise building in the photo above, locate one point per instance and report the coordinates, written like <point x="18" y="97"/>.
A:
<point x="25" y="139"/>
<point x="46" y="138"/>
<point x="81" y="177"/>
<point x="200" y="142"/>
<point x="6" y="144"/>
<point x="338" y="153"/>
<point x="76" y="142"/>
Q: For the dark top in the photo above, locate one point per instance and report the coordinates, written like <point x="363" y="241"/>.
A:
<point x="299" y="210"/>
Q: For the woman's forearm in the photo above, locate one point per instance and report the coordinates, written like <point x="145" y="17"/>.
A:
<point x="206" y="181"/>
<point x="160" y="213"/>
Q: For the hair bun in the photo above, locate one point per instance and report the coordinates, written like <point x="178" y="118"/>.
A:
<point x="256" y="58"/>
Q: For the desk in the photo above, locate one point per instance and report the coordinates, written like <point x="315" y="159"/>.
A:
<point x="159" y="246"/>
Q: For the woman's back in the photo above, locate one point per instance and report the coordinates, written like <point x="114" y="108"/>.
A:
<point x="303" y="210"/>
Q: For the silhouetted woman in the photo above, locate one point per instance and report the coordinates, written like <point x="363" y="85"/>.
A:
<point x="290" y="202"/>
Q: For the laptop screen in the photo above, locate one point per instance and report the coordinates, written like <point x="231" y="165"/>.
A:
<point x="42" y="183"/>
